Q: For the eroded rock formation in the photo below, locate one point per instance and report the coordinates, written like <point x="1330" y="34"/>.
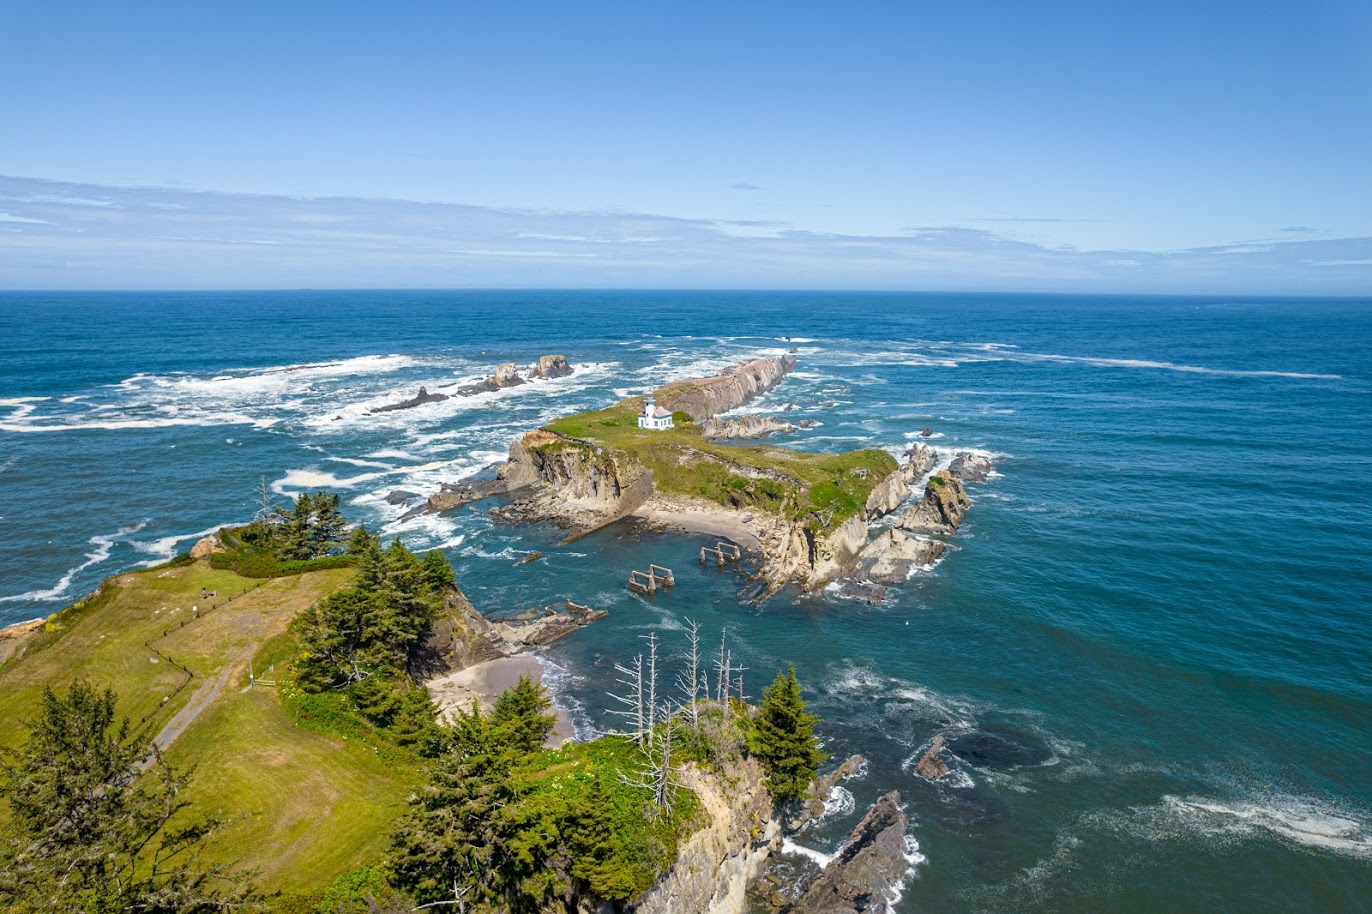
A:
<point x="865" y="875"/>
<point x="418" y="399"/>
<point x="551" y="366"/>
<point x="942" y="509"/>
<point x="730" y="389"/>
<point x="930" y="766"/>
<point x="893" y="554"/>
<point x="744" y="427"/>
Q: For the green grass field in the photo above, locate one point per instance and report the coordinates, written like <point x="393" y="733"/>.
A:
<point x="826" y="489"/>
<point x="307" y="806"/>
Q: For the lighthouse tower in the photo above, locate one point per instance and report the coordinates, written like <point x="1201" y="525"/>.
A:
<point x="654" y="417"/>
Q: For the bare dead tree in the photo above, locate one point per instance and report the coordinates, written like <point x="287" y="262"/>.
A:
<point x="266" y="502"/>
<point x="633" y="700"/>
<point x="721" y="668"/>
<point x="651" y="638"/>
<point x="658" y="773"/>
<point x="689" y="681"/>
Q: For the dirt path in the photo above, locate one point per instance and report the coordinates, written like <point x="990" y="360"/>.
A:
<point x="200" y="700"/>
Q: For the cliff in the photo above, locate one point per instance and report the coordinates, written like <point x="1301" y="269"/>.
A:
<point x="730" y="389"/>
<point x="715" y="865"/>
<point x="744" y="427"/>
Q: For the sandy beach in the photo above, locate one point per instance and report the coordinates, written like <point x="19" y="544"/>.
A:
<point x="484" y="681"/>
<point x="695" y="516"/>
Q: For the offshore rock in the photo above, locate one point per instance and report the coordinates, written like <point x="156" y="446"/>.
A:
<point x="418" y="399"/>
<point x="930" y="766"/>
<point x="894" y="554"/>
<point x="969" y="467"/>
<point x="942" y="509"/>
<point x="744" y="427"/>
<point x="865" y="875"/>
<point x="730" y="389"/>
<point x="551" y="366"/>
<point x="540" y="627"/>
<point x="506" y="375"/>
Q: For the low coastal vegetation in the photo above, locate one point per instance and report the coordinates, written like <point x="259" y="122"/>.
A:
<point x="272" y="748"/>
<point x="821" y="490"/>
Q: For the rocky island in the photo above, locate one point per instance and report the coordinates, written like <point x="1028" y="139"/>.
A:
<point x="808" y="518"/>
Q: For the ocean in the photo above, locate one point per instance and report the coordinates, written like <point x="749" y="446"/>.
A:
<point x="1153" y="626"/>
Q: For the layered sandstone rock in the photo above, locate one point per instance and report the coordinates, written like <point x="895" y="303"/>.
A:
<point x="730" y="389"/>
<point x="744" y="427"/>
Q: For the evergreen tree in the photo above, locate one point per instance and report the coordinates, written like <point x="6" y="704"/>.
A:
<point x="328" y="529"/>
<point x="437" y="572"/>
<point x="783" y="738"/>
<point x="292" y="535"/>
<point x="90" y="830"/>
<point x="520" y="716"/>
<point x="361" y="540"/>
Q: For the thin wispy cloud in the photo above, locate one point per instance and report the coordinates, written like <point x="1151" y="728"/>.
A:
<point x="744" y="186"/>
<point x="97" y="237"/>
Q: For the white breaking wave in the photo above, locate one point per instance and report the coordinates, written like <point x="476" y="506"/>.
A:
<point x="1289" y="819"/>
<point x="103" y="544"/>
<point x="790" y="847"/>
<point x="1166" y="366"/>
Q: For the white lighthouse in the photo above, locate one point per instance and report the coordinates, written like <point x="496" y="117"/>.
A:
<point x="654" y="417"/>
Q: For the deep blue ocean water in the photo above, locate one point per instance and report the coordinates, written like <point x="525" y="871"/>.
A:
<point x="1163" y="595"/>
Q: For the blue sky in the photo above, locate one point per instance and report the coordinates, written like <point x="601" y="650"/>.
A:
<point x="1074" y="146"/>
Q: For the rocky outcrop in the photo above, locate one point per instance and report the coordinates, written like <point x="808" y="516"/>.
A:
<point x="930" y="766"/>
<point x="458" y="638"/>
<point x="730" y="389"/>
<point x="714" y="866"/>
<point x="578" y="483"/>
<point x="919" y="459"/>
<point x="14" y="638"/>
<point x="942" y="509"/>
<point x="893" y="554"/>
<point x="208" y="546"/>
<point x="969" y="467"/>
<point x="821" y="789"/>
<point x="744" y="427"/>
<point x="865" y="875"/>
<point x="538" y="627"/>
<point x="506" y="375"/>
<point x="418" y="399"/>
<point x="551" y="366"/>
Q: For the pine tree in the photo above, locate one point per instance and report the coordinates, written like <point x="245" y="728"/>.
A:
<point x="438" y="574"/>
<point x="361" y="540"/>
<point x="327" y="529"/>
<point x="520" y="716"/>
<point x="292" y="537"/>
<point x="783" y="738"/>
<point x="90" y="829"/>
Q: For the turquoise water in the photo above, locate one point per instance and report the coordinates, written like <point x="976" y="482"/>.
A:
<point x="1160" y="604"/>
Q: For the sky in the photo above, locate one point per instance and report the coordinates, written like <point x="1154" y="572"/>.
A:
<point x="1178" y="147"/>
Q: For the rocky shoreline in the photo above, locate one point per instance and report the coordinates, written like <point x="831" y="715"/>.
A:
<point x="582" y="486"/>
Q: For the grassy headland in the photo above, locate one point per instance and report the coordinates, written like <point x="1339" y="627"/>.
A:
<point x="822" y="490"/>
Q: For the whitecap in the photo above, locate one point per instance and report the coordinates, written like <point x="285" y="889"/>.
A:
<point x="103" y="543"/>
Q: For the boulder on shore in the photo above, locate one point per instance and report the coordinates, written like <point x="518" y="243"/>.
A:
<point x="893" y="554"/>
<point x="865" y="875"/>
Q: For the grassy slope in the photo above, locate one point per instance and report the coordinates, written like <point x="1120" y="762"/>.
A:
<point x="814" y="482"/>
<point x="314" y="805"/>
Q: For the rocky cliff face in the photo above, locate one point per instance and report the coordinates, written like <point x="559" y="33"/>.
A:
<point x="744" y="427"/>
<point x="583" y="484"/>
<point x="893" y="554"/>
<point x="730" y="389"/>
<point x="889" y="494"/>
<point x="715" y="865"/>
